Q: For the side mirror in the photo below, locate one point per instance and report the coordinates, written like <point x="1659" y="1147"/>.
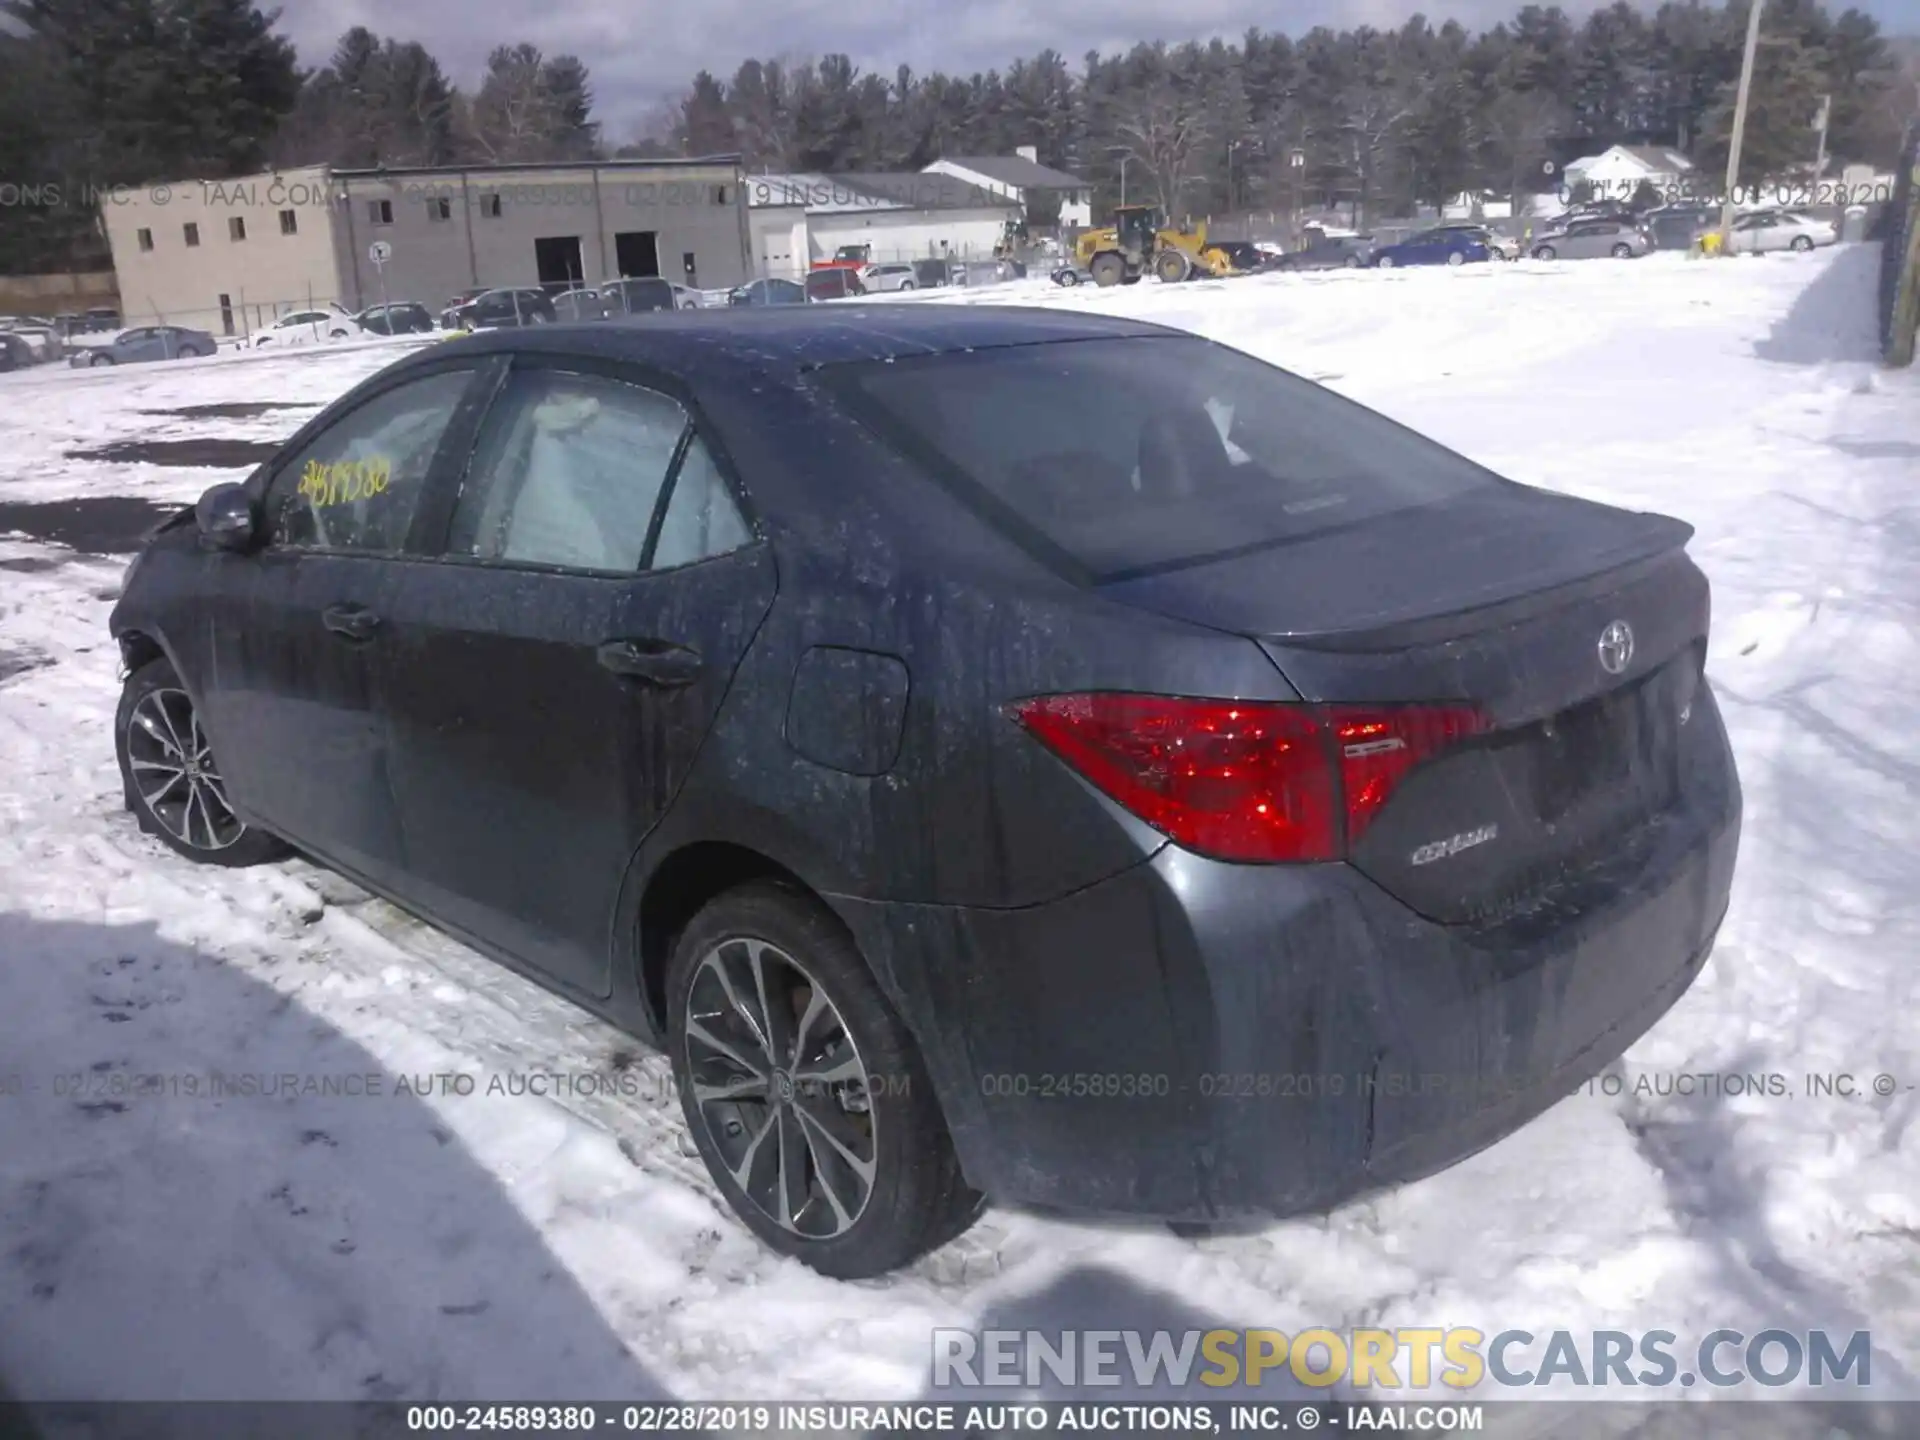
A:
<point x="226" y="518"/>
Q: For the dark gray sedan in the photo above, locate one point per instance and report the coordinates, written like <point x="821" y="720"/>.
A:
<point x="148" y="342"/>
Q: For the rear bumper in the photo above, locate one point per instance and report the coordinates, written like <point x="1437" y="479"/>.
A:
<point x="1191" y="1040"/>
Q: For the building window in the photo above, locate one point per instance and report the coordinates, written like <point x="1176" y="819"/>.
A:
<point x="380" y="211"/>
<point x="439" y="207"/>
<point x="490" y="205"/>
<point x="289" y="223"/>
<point x="719" y="194"/>
<point x="192" y="233"/>
<point x="145" y="237"/>
<point x="236" y="227"/>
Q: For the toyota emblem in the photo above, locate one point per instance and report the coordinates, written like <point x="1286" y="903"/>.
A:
<point x="1616" y="647"/>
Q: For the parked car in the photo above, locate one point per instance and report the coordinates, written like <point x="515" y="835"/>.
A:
<point x="1431" y="247"/>
<point x="148" y="342"/>
<point x="837" y="284"/>
<point x="450" y="316"/>
<point x="688" y="297"/>
<point x="507" y="308"/>
<point x="639" y="295"/>
<point x="1243" y="255"/>
<point x="44" y="339"/>
<point x="1070" y="275"/>
<point x="402" y="317"/>
<point x="1501" y="247"/>
<point x="1594" y="210"/>
<point x="1677" y="227"/>
<point x="17" y="354"/>
<point x="582" y="303"/>
<point x="1329" y="253"/>
<point x="102" y="319"/>
<point x="1592" y="240"/>
<point x="1186" y="724"/>
<point x="1780" y="230"/>
<point x="931" y="274"/>
<point x="889" y="276"/>
<point x="309" y="327"/>
<point x="768" y="292"/>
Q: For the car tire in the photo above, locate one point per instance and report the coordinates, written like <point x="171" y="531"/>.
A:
<point x="153" y="729"/>
<point x="98" y="360"/>
<point x="764" y="936"/>
<point x="1546" y="252"/>
<point x="906" y="284"/>
<point x="1622" y="251"/>
<point x="1352" y="262"/>
<point x="1456" y="258"/>
<point x="1383" y="262"/>
<point x="1802" y="243"/>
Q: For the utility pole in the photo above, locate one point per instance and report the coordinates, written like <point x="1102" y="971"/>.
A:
<point x="1820" y="159"/>
<point x="1740" y="123"/>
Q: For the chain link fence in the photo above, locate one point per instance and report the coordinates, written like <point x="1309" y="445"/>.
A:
<point x="1900" y="257"/>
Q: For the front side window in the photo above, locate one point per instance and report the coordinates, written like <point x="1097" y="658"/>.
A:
<point x="1120" y="456"/>
<point x="568" y="472"/>
<point x="356" y="486"/>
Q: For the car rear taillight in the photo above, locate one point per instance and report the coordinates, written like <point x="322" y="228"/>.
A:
<point x="1245" y="780"/>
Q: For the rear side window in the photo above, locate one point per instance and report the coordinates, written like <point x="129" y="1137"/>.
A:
<point x="702" y="519"/>
<point x="1115" y="457"/>
<point x="568" y="472"/>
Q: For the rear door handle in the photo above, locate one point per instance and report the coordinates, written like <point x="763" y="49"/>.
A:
<point x="350" y="622"/>
<point x="654" y="662"/>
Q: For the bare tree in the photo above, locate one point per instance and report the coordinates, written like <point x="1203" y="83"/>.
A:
<point x="1165" y="133"/>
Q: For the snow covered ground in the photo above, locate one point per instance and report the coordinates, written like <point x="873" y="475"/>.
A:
<point x="514" y="1245"/>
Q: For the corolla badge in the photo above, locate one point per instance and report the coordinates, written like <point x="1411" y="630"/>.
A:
<point x="1453" y="845"/>
<point x="1616" y="647"/>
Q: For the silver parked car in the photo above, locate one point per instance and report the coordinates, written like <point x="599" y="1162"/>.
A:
<point x="893" y="275"/>
<point x="1593" y="240"/>
<point x="148" y="342"/>
<point x="1767" y="230"/>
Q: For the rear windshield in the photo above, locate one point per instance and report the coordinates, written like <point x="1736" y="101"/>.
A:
<point x="1116" y="457"/>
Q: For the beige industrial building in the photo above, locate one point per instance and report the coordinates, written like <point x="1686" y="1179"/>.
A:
<point x="231" y="256"/>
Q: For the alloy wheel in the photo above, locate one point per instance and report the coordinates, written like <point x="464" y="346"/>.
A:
<point x="780" y="1087"/>
<point x="174" y="771"/>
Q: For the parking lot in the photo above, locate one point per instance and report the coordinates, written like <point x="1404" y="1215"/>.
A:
<point x="1742" y="396"/>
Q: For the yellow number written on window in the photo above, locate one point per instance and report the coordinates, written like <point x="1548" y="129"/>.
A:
<point x="344" y="481"/>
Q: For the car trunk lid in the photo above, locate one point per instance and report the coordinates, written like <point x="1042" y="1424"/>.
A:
<point x="1576" y="630"/>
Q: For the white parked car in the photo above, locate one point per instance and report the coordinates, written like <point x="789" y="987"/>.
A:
<point x="1780" y="230"/>
<point x="309" y="327"/>
<point x="887" y="276"/>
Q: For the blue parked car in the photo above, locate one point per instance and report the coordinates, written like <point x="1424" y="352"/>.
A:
<point x="1432" y="247"/>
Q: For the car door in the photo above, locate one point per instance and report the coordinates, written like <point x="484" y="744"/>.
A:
<point x="551" y="680"/>
<point x="1749" y="233"/>
<point x="290" y="692"/>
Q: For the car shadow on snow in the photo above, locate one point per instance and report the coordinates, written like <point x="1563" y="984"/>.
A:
<point x="161" y="1244"/>
<point x="1833" y="319"/>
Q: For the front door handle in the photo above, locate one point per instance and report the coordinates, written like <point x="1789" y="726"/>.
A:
<point x="350" y="622"/>
<point x="655" y="662"/>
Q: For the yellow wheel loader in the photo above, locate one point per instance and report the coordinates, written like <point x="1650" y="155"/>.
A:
<point x="1138" y="243"/>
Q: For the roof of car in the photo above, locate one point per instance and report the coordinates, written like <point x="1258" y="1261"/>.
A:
<point x="720" y="343"/>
